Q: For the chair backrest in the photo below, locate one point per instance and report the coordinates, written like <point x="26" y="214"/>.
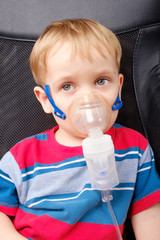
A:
<point x="137" y="24"/>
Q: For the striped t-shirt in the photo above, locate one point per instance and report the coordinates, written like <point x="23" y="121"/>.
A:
<point x="46" y="187"/>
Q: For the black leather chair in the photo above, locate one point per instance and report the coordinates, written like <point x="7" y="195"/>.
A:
<point x="136" y="23"/>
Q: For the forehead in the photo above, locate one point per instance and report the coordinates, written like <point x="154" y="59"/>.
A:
<point x="87" y="52"/>
<point x="65" y="64"/>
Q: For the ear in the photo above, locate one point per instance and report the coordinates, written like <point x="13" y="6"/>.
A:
<point x="121" y="78"/>
<point x="42" y="98"/>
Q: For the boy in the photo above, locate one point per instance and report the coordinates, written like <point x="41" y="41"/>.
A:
<point x="45" y="186"/>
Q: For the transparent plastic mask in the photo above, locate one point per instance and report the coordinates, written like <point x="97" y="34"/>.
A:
<point x="89" y="112"/>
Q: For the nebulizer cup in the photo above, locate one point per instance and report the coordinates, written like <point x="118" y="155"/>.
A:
<point x="91" y="117"/>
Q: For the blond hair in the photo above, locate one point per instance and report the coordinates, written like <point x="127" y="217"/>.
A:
<point x="81" y="33"/>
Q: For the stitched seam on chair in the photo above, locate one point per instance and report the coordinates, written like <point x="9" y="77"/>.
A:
<point x="159" y="53"/>
<point x="135" y="55"/>
<point x="29" y="39"/>
<point x="18" y="39"/>
<point x="137" y="28"/>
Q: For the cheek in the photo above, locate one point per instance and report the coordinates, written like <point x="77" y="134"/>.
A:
<point x="110" y="96"/>
<point x="114" y="115"/>
<point x="62" y="103"/>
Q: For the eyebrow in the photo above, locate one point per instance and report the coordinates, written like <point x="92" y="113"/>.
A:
<point x="65" y="78"/>
<point x="106" y="72"/>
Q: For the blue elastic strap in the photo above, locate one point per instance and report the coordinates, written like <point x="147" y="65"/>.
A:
<point x="118" y="104"/>
<point x="57" y="111"/>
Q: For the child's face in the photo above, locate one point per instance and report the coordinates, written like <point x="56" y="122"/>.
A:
<point x="69" y="77"/>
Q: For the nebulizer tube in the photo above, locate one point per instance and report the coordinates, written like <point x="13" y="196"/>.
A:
<point x="90" y="116"/>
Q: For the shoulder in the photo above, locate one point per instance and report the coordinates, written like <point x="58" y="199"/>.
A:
<point x="120" y="129"/>
<point x="126" y="138"/>
<point x="28" y="141"/>
<point x="27" y="150"/>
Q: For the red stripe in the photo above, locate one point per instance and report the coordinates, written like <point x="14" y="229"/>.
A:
<point x="38" y="227"/>
<point x="31" y="151"/>
<point x="10" y="211"/>
<point x="144" y="203"/>
<point x="125" y="138"/>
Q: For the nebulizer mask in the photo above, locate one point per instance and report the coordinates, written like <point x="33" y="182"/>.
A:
<point x="90" y="117"/>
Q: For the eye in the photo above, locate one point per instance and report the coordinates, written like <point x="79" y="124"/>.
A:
<point x="68" y="87"/>
<point x="101" y="82"/>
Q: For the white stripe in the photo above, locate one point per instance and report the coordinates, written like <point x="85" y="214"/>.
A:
<point x="65" y="199"/>
<point x="8" y="179"/>
<point x="124" y="188"/>
<point x="61" y="199"/>
<point x="128" y="153"/>
<point x="144" y="169"/>
<point x="51" y="167"/>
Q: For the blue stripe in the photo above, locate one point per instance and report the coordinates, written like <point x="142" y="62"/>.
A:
<point x="40" y="201"/>
<point x="8" y="194"/>
<point x="11" y="205"/>
<point x="129" y="153"/>
<point x="37" y="164"/>
<point x="127" y="157"/>
<point x="46" y="168"/>
<point x="124" y="185"/>
<point x="117" y="125"/>
<point x="94" y="211"/>
<point x="145" y="165"/>
<point x="101" y="213"/>
<point x="127" y="150"/>
<point x="4" y="174"/>
<point x="40" y="137"/>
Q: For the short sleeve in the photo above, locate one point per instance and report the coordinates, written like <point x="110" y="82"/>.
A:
<point x="147" y="189"/>
<point x="8" y="192"/>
